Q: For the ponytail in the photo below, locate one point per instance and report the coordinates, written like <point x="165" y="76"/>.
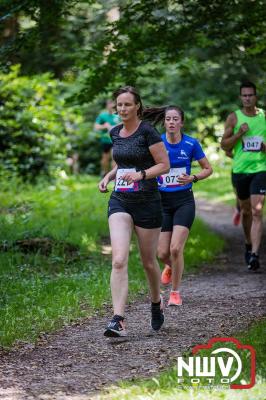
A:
<point x="156" y="115"/>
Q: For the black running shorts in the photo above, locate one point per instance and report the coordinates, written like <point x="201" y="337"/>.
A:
<point x="248" y="184"/>
<point x="145" y="214"/>
<point x="178" y="209"/>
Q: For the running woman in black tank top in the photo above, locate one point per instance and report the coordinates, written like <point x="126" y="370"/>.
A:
<point x="140" y="157"/>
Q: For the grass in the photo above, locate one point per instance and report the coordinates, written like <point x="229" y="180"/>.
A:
<point x="164" y="386"/>
<point x="46" y="287"/>
<point x="218" y="186"/>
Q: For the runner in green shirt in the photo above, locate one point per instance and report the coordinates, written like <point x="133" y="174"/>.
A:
<point x="103" y="123"/>
<point x="245" y="135"/>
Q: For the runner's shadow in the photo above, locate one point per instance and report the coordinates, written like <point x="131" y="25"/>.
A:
<point x="136" y="338"/>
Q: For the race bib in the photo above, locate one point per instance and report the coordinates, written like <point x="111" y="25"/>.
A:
<point x="171" y="179"/>
<point x="121" y="185"/>
<point x="252" y="143"/>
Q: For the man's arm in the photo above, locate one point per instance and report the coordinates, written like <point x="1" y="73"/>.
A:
<point x="105" y="125"/>
<point x="101" y="124"/>
<point x="229" y="139"/>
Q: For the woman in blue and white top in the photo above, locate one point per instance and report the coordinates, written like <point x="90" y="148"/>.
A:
<point x="176" y="193"/>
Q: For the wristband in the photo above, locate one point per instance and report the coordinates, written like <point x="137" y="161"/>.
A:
<point x="143" y="173"/>
<point x="195" y="179"/>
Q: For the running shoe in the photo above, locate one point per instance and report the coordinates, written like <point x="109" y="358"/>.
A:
<point x="116" y="328"/>
<point x="157" y="315"/>
<point x="236" y="217"/>
<point x="254" y="263"/>
<point x="166" y="276"/>
<point x="175" y="299"/>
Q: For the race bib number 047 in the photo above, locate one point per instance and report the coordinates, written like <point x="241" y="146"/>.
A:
<point x="121" y="185"/>
<point x="252" y="143"/>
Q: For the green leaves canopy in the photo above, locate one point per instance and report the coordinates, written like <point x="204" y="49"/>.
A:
<point x="166" y="32"/>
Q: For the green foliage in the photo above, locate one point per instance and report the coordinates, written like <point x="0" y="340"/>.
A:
<point x="167" y="32"/>
<point x="38" y="130"/>
<point x="256" y="337"/>
<point x="85" y="145"/>
<point x="54" y="258"/>
<point x="31" y="31"/>
<point x="49" y="35"/>
<point x="207" y="91"/>
<point x="33" y="124"/>
<point x="67" y="37"/>
<point x="188" y="53"/>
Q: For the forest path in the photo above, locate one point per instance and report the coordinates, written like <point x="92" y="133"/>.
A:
<point x="77" y="361"/>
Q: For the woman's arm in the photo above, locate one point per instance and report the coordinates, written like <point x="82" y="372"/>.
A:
<point x="162" y="165"/>
<point x="206" y="170"/>
<point x="108" y="177"/>
<point x="161" y="159"/>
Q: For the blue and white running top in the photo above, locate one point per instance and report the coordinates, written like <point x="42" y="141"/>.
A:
<point x="181" y="156"/>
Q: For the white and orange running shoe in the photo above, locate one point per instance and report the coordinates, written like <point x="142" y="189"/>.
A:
<point x="175" y="299"/>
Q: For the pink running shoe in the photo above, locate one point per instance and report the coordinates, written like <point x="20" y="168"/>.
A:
<point x="166" y="276"/>
<point x="175" y="299"/>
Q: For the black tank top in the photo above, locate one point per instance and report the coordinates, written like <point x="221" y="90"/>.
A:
<point x="133" y="152"/>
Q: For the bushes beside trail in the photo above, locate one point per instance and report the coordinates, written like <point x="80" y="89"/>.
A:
<point x="39" y="131"/>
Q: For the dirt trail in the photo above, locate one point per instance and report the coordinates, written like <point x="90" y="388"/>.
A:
<point x="77" y="361"/>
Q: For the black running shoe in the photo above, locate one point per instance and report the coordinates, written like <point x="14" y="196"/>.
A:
<point x="116" y="328"/>
<point x="248" y="253"/>
<point x="254" y="263"/>
<point x="157" y="315"/>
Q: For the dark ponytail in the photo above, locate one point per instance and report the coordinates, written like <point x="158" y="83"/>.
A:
<point x="156" y="115"/>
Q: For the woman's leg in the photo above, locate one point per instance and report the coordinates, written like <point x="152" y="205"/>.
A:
<point x="163" y="253"/>
<point x="120" y="225"/>
<point x="178" y="241"/>
<point x="148" y="243"/>
<point x="163" y="250"/>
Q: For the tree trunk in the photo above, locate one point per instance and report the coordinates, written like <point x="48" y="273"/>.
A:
<point x="49" y="34"/>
